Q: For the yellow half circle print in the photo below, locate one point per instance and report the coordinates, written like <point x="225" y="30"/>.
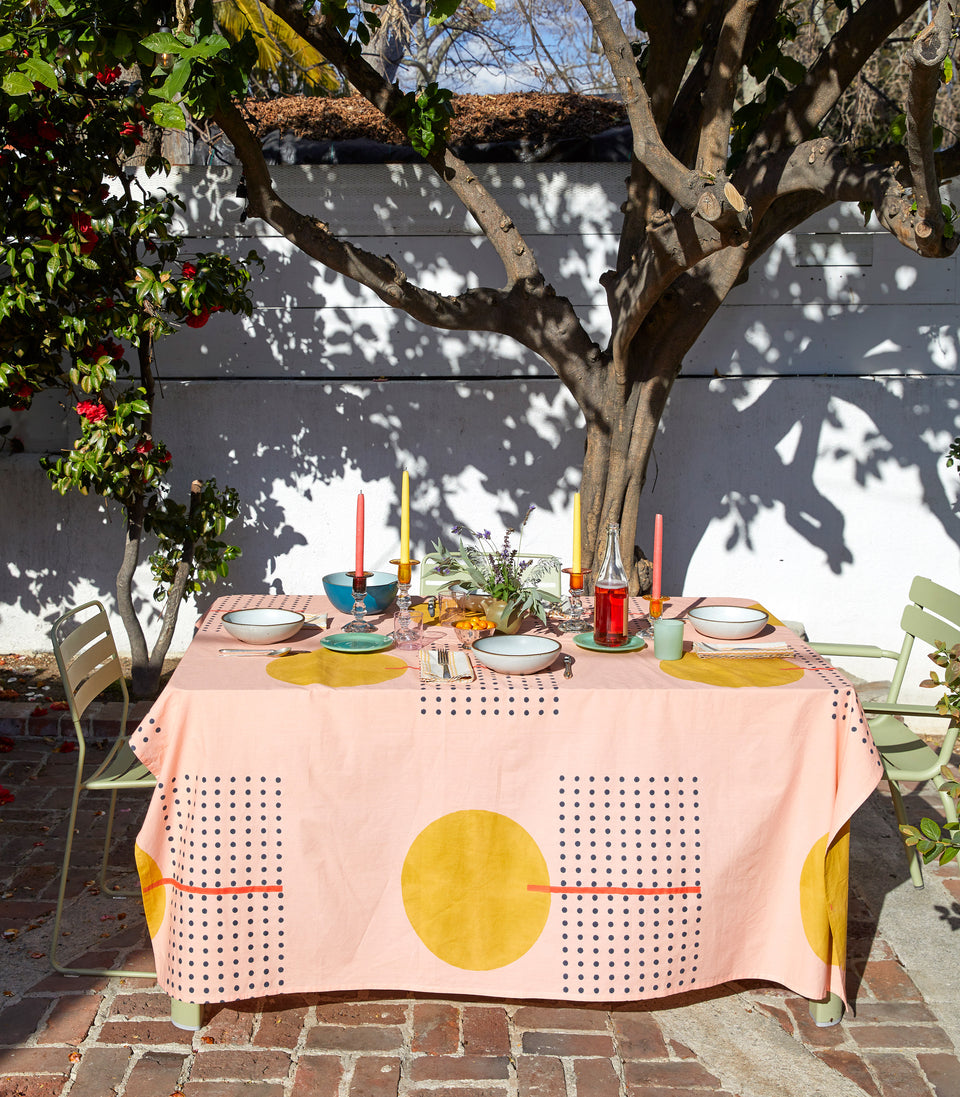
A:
<point x="823" y="897"/>
<point x="465" y="886"/>
<point x="151" y="886"/>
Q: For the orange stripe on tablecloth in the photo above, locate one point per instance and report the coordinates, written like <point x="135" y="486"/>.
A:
<point x="210" y="891"/>
<point x="614" y="891"/>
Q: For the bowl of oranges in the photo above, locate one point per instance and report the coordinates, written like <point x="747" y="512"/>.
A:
<point x="472" y="628"/>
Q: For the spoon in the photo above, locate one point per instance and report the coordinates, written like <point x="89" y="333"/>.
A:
<point x="261" y="652"/>
<point x="568" y="666"/>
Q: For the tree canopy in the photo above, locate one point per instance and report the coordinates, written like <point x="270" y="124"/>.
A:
<point x="737" y="138"/>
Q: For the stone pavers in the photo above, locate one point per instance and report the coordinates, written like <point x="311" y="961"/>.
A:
<point x="90" y="1037"/>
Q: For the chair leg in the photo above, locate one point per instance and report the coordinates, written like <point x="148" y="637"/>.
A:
<point x="61" y="894"/>
<point x="64" y="870"/>
<point x="105" y="861"/>
<point x="913" y="861"/>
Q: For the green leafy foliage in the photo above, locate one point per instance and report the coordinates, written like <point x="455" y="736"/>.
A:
<point x="930" y="839"/>
<point x="425" y="117"/>
<point x="500" y="569"/>
<point x="92" y="274"/>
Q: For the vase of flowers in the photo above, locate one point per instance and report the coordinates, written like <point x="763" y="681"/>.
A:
<point x="501" y="573"/>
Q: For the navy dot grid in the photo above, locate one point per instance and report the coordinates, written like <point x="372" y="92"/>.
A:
<point x="224" y="833"/>
<point x="495" y="695"/>
<point x="617" y="834"/>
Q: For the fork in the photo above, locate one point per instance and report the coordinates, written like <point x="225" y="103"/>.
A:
<point x="443" y="657"/>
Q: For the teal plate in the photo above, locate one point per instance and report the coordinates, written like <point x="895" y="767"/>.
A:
<point x="357" y="643"/>
<point x="585" y="640"/>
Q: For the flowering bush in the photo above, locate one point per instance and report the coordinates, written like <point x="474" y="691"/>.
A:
<point x="499" y="569"/>
<point x="92" y="278"/>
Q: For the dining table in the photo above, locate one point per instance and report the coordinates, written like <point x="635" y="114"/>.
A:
<point x="331" y="821"/>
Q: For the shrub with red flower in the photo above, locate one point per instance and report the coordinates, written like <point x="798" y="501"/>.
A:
<point x="198" y="319"/>
<point x="91" y="410"/>
<point x="132" y="129"/>
<point x="47" y="130"/>
<point x="108" y="75"/>
<point x="189" y="271"/>
<point x="144" y="447"/>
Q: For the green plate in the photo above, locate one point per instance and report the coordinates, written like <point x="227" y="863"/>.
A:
<point x="357" y="643"/>
<point x="586" y="640"/>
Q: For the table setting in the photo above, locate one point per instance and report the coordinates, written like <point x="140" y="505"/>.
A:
<point x="587" y="808"/>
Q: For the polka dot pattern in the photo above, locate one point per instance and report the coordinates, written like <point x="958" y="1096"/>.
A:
<point x="225" y="895"/>
<point x="630" y="857"/>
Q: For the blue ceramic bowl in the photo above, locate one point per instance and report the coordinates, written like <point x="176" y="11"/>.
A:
<point x="381" y="591"/>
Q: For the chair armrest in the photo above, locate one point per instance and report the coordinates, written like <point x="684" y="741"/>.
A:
<point x="859" y="651"/>
<point x="899" y="708"/>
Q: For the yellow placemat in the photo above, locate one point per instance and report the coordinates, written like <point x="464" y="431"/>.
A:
<point x="336" y="669"/>
<point x="733" y="672"/>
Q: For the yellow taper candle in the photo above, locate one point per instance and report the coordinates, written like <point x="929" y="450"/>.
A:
<point x="405" y="518"/>
<point x="576" y="534"/>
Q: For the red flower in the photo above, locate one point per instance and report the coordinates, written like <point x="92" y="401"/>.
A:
<point x="91" y="410"/>
<point x="24" y="392"/>
<point x="81" y="222"/>
<point x="144" y="447"/>
<point x="113" y="349"/>
<point x="189" y="271"/>
<point x="91" y="242"/>
<point x="199" y="318"/>
<point x="132" y="129"/>
<point x="166" y="458"/>
<point x="107" y="76"/>
<point x="47" y="130"/>
<point x="6" y="796"/>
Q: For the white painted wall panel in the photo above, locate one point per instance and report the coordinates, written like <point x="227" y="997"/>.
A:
<point x="809" y="473"/>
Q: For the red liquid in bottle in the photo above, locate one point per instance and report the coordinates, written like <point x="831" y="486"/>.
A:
<point x="610" y="616"/>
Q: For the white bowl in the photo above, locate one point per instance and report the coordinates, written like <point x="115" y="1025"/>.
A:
<point x="262" y="626"/>
<point x="516" y="654"/>
<point x="727" y="622"/>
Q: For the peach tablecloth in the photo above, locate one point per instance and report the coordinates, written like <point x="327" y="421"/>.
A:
<point x="623" y="834"/>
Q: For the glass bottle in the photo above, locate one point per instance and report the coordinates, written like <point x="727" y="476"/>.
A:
<point x="610" y="592"/>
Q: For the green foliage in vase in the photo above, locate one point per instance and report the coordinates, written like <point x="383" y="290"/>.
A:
<point x="500" y="570"/>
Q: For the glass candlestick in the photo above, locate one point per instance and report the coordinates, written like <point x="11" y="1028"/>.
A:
<point x="576" y="619"/>
<point x="407" y="633"/>
<point x="358" y="624"/>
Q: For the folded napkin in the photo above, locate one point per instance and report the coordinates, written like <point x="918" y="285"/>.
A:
<point x="431" y="670"/>
<point x="739" y="649"/>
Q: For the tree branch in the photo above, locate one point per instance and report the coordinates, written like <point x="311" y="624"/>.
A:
<point x="834" y="173"/>
<point x="518" y="261"/>
<point x="722" y="86"/>
<point x="925" y="59"/>
<point x="798" y="117"/>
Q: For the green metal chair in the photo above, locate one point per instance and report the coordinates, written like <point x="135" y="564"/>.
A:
<point x="933" y="617"/>
<point x="88" y="662"/>
<point x="431" y="582"/>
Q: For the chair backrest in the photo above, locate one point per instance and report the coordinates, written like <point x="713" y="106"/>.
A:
<point x="87" y="659"/>
<point x="933" y="617"/>
<point x="431" y="581"/>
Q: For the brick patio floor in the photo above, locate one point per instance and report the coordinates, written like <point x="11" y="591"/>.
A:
<point x="90" y="1037"/>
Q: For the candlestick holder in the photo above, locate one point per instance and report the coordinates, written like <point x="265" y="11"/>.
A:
<point x="656" y="608"/>
<point x="576" y="618"/>
<point x="358" y="624"/>
<point x="406" y="632"/>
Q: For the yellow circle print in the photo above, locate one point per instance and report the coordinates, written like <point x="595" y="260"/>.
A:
<point x="465" y="886"/>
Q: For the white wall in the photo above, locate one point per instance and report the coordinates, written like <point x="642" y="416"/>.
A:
<point x="800" y="460"/>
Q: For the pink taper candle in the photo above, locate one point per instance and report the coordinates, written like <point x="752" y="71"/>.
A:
<point x="657" y="556"/>
<point x="358" y="567"/>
